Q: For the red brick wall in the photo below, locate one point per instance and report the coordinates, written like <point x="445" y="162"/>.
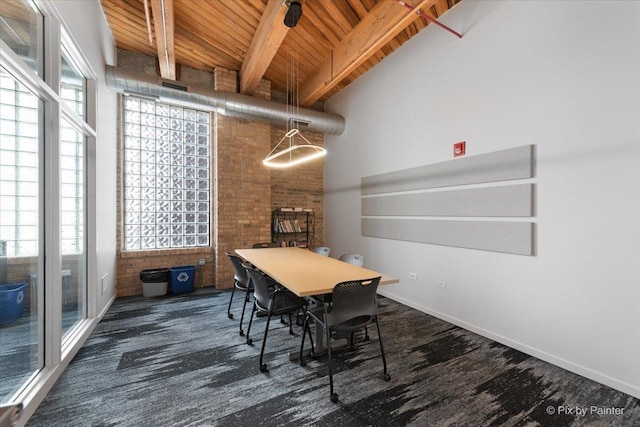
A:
<point x="300" y="186"/>
<point x="243" y="184"/>
<point x="303" y="185"/>
<point x="244" y="190"/>
<point x="129" y="264"/>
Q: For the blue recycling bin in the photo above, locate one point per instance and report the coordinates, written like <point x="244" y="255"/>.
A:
<point x="182" y="279"/>
<point x="12" y="298"/>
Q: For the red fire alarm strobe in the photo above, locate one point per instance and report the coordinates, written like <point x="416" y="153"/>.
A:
<point x="459" y="148"/>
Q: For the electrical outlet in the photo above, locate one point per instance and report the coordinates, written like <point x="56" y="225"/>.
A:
<point x="201" y="261"/>
<point x="104" y="281"/>
<point x="442" y="285"/>
<point x="66" y="273"/>
<point x="413" y="276"/>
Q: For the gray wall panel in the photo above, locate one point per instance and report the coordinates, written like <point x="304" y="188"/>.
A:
<point x="508" y="237"/>
<point x="504" y="201"/>
<point x="513" y="163"/>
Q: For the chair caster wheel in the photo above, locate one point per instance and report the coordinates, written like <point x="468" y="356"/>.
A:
<point x="241" y="333"/>
<point x="303" y="362"/>
<point x="249" y="341"/>
<point x="291" y="333"/>
<point x="387" y="377"/>
<point x="263" y="368"/>
<point x="334" y="398"/>
<point x="230" y="315"/>
<point x="313" y="355"/>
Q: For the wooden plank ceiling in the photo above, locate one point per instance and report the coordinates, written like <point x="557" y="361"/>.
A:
<point x="335" y="41"/>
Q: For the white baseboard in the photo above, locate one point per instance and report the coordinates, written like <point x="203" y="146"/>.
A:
<point x="622" y="386"/>
<point x="106" y="308"/>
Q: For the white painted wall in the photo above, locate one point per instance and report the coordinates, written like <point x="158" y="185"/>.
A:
<point x="564" y="76"/>
<point x="88" y="26"/>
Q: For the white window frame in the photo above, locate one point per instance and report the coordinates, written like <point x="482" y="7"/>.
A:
<point x="58" y="351"/>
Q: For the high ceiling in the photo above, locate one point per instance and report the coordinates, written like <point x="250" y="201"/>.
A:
<point x="335" y="41"/>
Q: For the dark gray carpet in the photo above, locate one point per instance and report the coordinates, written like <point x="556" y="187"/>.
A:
<point x="179" y="361"/>
<point x="19" y="350"/>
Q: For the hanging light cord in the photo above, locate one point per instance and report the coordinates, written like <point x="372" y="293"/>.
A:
<point x="293" y="109"/>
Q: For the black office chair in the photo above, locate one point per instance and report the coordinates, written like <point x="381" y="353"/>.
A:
<point x="272" y="282"/>
<point x="270" y="300"/>
<point x="353" y="306"/>
<point x="242" y="282"/>
<point x="357" y="260"/>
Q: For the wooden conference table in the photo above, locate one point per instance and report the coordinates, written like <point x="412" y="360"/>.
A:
<point x="306" y="273"/>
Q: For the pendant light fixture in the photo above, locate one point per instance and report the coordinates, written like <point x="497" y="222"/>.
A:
<point x="299" y="149"/>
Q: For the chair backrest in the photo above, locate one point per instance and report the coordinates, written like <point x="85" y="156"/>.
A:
<point x="322" y="250"/>
<point x="263" y="245"/>
<point x="353" y="300"/>
<point x="260" y="285"/>
<point x="239" y="272"/>
<point x="355" y="259"/>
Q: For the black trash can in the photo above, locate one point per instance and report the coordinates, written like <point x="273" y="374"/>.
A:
<point x="155" y="281"/>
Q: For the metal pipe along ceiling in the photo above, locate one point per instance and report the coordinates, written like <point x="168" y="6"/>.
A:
<point x="227" y="103"/>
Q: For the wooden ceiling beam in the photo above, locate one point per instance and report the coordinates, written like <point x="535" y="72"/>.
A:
<point x="163" y="24"/>
<point x="386" y="20"/>
<point x="266" y="42"/>
<point x="358" y="8"/>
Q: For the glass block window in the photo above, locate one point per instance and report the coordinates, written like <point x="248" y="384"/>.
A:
<point x="166" y="176"/>
<point x="19" y="168"/>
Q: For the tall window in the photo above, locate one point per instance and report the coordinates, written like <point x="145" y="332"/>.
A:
<point x="72" y="83"/>
<point x="19" y="128"/>
<point x="166" y="176"/>
<point x="21" y="198"/>
<point x="72" y="158"/>
<point x="72" y="224"/>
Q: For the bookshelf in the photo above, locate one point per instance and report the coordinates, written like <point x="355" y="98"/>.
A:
<point x="293" y="227"/>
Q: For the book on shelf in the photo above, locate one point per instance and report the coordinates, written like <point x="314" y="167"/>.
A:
<point x="286" y="226"/>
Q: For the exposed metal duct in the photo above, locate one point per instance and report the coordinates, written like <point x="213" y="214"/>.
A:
<point x="227" y="103"/>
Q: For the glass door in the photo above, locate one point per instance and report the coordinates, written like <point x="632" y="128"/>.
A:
<point x="21" y="241"/>
<point x="72" y="199"/>
<point x="21" y="202"/>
